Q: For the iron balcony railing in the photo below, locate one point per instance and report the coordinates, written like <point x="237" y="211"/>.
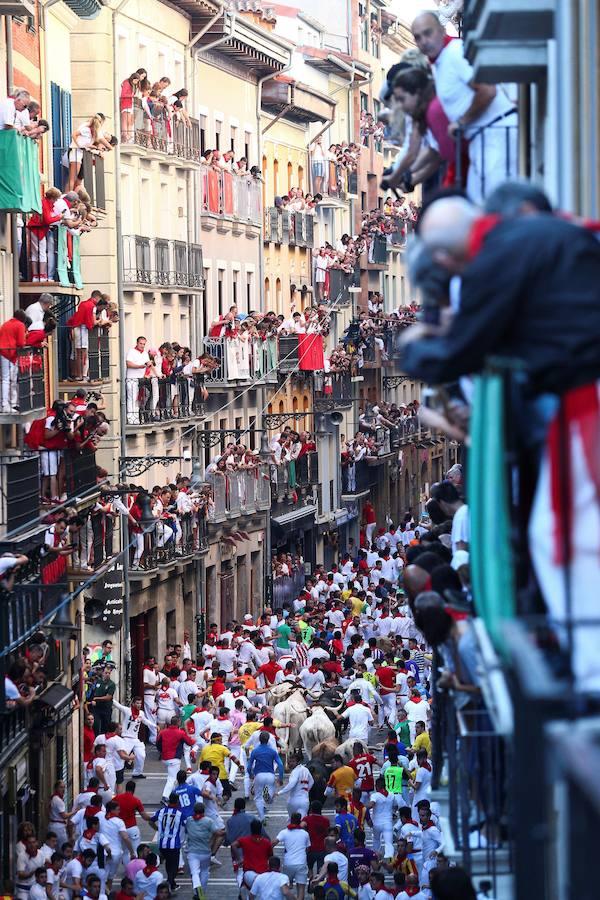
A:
<point x="487" y="156"/>
<point x="80" y="471"/>
<point x="358" y="477"/>
<point x="49" y="257"/>
<point x="154" y="128"/>
<point x="98" y="351"/>
<point x="239" y="492"/>
<point x="162" y="262"/>
<point x="286" y="588"/>
<point x="241" y="359"/>
<point x="19" y="490"/>
<point x="331" y="179"/>
<point x="96" y="541"/>
<point x="342" y="285"/>
<point x="231" y="196"/>
<point x="287" y="227"/>
<point x="332" y="390"/>
<point x="163" y="399"/>
<point x="170" y="539"/>
<point x="23" y="383"/>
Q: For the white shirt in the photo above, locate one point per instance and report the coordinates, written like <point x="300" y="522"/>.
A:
<point x="299" y="784"/>
<point x="150" y="680"/>
<point x="360" y="717"/>
<point x="453" y="75"/>
<point x="312" y="681"/>
<point x="342" y="861"/>
<point x="423" y="778"/>
<point x="368" y="693"/>
<point x="460" y="527"/>
<point x="295" y="842"/>
<point x="226" y="659"/>
<point x="112" y="828"/>
<point x="35" y="311"/>
<point x="140" y="360"/>
<point x="165" y="700"/>
<point x="383" y="811"/>
<point x="268" y="885"/>
<point x="113" y="746"/>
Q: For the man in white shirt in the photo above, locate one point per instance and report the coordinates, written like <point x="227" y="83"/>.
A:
<point x="272" y="885"/>
<point x="14" y="109"/>
<point x="295" y="841"/>
<point x="360" y="717"/>
<point x="132" y="719"/>
<point x="226" y="657"/>
<point x="312" y="679"/>
<point x="483" y="112"/>
<point x="151" y="681"/>
<point x="136" y="361"/>
<point x="113" y="828"/>
<point x="36" y="311"/>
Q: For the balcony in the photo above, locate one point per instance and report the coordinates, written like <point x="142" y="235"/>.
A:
<point x="162" y="262"/>
<point x="342" y="286"/>
<point x="23" y="393"/>
<point x="295" y="229"/>
<point x="52" y="264"/>
<point x="19" y="490"/>
<point x="332" y="391"/>
<point x="154" y="400"/>
<point x="165" y="135"/>
<point x="74" y="365"/>
<point x="335" y="182"/>
<point x="168" y="542"/>
<point x="508" y="40"/>
<point x="19" y="173"/>
<point x="377" y="253"/>
<point x="396" y="240"/>
<point x="230" y="201"/>
<point x="358" y="479"/>
<point x="294" y="488"/>
<point x="80" y="471"/>
<point x="96" y="543"/>
<point x="239" y="493"/>
<point x="242" y="361"/>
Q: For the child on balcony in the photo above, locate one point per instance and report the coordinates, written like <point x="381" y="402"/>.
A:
<point x="38" y="226"/>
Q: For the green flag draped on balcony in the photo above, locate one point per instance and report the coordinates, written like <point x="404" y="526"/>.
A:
<point x="488" y="493"/>
<point x="19" y="173"/>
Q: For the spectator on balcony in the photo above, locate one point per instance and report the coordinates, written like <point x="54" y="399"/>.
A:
<point x="241" y="166"/>
<point x="13" y="336"/>
<point x="144" y="83"/>
<point x="161" y="85"/>
<point x="38" y="226"/>
<point x="206" y="158"/>
<point x="483" y="112"/>
<point x="176" y="102"/>
<point x="319" y="166"/>
<point x="14" y="111"/>
<point x="226" y="161"/>
<point x="88" y="136"/>
<point x="129" y="88"/>
<point x="38" y="312"/>
<point x="80" y="324"/>
<point x="136" y="362"/>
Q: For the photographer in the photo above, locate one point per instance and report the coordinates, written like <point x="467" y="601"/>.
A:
<point x="56" y="437"/>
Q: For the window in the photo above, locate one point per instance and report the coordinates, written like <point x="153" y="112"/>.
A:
<point x="204" y="304"/>
<point x="275" y="176"/>
<point x="247" y="138"/>
<point x="61" y="127"/>
<point x="207" y="449"/>
<point x="363" y="201"/>
<point x="238" y="428"/>
<point x="233" y="136"/>
<point x="234" y="286"/>
<point x="223" y="427"/>
<point x="220" y="291"/>
<point x="376" y="111"/>
<point x="249" y="291"/>
<point x="290" y="175"/>
<point x="252" y="432"/>
<point x="202" y="134"/>
<point x="217" y="135"/>
<point x="364" y="26"/>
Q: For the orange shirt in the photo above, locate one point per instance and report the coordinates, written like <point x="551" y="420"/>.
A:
<point x="342" y="781"/>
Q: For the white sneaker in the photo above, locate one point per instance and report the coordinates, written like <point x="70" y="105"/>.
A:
<point x="215" y="862"/>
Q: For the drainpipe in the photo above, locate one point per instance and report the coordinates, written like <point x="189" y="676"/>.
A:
<point x="264" y="441"/>
<point x="14" y="242"/>
<point x="126" y="633"/>
<point x="43" y="11"/>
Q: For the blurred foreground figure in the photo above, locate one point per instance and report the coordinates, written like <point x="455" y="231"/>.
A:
<point x="530" y="292"/>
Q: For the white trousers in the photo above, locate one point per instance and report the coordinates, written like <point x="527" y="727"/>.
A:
<point x="149" y="707"/>
<point x="261" y="781"/>
<point x="8" y="371"/>
<point x="493" y="158"/>
<point x="172" y="766"/>
<point x="133" y="745"/>
<point x="199" y="864"/>
<point x="298" y="803"/>
<point x="383" y="838"/>
<point x="387" y="709"/>
<point x="371" y="531"/>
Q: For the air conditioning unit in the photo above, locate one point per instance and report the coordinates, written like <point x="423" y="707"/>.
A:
<point x="17" y="7"/>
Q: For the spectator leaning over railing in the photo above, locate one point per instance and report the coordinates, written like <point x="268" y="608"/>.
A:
<point x="89" y="135"/>
<point x="14" y="112"/>
<point x="13" y="336"/>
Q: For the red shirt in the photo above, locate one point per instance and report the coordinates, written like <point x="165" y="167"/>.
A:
<point x="369" y="514"/>
<point x="386" y="676"/>
<point x="12" y="335"/>
<point x="317" y="827"/>
<point x="89" y="736"/>
<point x="129" y="805"/>
<point x="270" y="670"/>
<point x="363" y="766"/>
<point x="257" y="853"/>
<point x="84" y="315"/>
<point x="169" y="742"/>
<point x="218" y="688"/>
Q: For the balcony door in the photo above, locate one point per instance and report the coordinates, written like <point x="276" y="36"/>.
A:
<point x="61" y="129"/>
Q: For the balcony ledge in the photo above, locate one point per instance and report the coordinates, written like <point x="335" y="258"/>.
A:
<point x="20" y="418"/>
<point x="51" y="287"/>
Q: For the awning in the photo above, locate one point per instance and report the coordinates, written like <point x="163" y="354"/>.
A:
<point x="85" y="9"/>
<point x="57" y="698"/>
<point x="294" y="515"/>
<point x="296" y="101"/>
<point x="19" y="173"/>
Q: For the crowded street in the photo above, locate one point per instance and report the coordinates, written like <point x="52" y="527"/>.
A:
<point x="299" y="430"/>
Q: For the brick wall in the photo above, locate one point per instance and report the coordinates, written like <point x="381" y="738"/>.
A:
<point x="26" y="44"/>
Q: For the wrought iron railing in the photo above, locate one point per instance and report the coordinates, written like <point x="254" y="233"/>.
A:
<point x="163" y="399"/>
<point x="242" y="360"/>
<point x="287" y="227"/>
<point x="231" y="196"/>
<point x="162" y="262"/>
<point x="154" y="128"/>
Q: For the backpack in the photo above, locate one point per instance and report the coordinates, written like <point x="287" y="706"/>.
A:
<point x="334" y="892"/>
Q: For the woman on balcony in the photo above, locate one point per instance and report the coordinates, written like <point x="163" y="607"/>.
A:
<point x="129" y="88"/>
<point x="88" y="136"/>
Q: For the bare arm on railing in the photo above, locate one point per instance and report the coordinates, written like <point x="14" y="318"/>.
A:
<point x="483" y="96"/>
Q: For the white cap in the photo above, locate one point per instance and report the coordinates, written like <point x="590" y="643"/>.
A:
<point x="248" y="617"/>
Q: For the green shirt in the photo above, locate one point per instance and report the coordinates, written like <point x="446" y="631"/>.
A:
<point x="403" y="732"/>
<point x="283" y="636"/>
<point x="102" y="689"/>
<point x="393" y="779"/>
<point x="186" y="711"/>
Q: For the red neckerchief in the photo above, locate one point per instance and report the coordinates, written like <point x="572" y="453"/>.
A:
<point x="383" y="791"/>
<point x="313" y="669"/>
<point x="134" y="712"/>
<point x="293" y="827"/>
<point x="480" y="230"/>
<point x="198" y="816"/>
<point x="89" y="834"/>
<point x="91" y="811"/>
<point x="411" y="822"/>
<point x="429" y="825"/>
<point x="332" y="880"/>
<point x="426" y="765"/>
<point x="416" y="699"/>
<point x="412" y="889"/>
<point x="149" y="870"/>
<point x="384" y="616"/>
<point x="112" y="815"/>
<point x="109" y="735"/>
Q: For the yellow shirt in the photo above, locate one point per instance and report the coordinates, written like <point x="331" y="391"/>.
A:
<point x="357" y="605"/>
<point x="346" y="594"/>
<point x="216" y="754"/>
<point x="422" y="742"/>
<point x="247" y="729"/>
<point x="342" y="780"/>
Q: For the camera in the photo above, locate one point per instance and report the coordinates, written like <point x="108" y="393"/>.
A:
<point x="93" y="395"/>
<point x="62" y="421"/>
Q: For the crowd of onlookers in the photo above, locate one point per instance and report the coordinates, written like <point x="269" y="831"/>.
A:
<point x="160" y="105"/>
<point x="297" y="201"/>
<point x="370" y="127"/>
<point x="21" y="112"/>
<point x="225" y="161"/>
